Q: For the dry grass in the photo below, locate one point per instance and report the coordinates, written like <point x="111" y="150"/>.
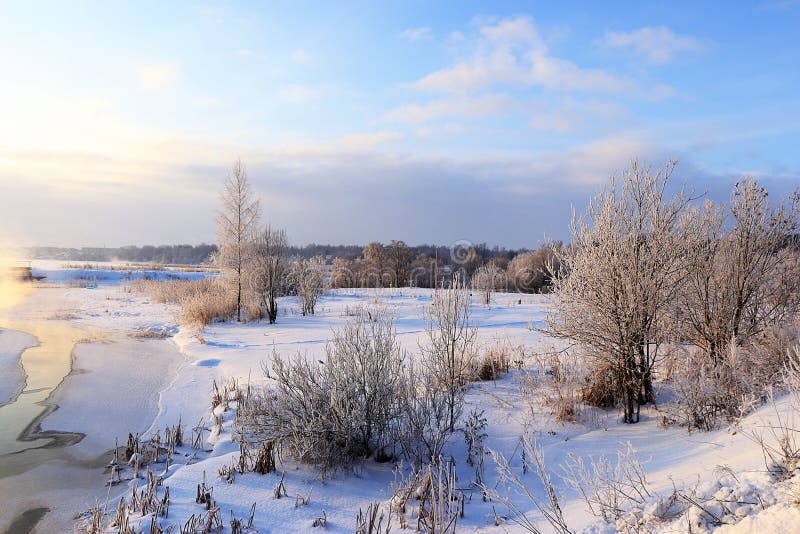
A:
<point x="555" y="383"/>
<point x="150" y="334"/>
<point x="201" y="301"/>
<point x="494" y="361"/>
<point x="63" y="315"/>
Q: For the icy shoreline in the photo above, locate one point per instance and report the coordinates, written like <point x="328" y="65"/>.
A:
<point x="12" y="344"/>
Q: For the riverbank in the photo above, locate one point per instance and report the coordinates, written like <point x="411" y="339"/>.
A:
<point x="87" y="380"/>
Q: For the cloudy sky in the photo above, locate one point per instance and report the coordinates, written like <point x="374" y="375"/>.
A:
<point x="358" y="121"/>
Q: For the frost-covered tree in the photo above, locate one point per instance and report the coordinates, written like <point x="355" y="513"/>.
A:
<point x="529" y="272"/>
<point x="741" y="280"/>
<point x="269" y="267"/>
<point x="618" y="278"/>
<point x="488" y="279"/>
<point x="308" y="279"/>
<point x="236" y="224"/>
<point x="450" y="350"/>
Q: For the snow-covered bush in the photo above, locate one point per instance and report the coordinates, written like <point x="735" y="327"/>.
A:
<point x="616" y="282"/>
<point x="267" y="274"/>
<point x="362" y="399"/>
<point x="741" y="379"/>
<point x="449" y="353"/>
<point x="423" y="428"/>
<point x="333" y="413"/>
<point x="307" y="280"/>
<point x="488" y="279"/>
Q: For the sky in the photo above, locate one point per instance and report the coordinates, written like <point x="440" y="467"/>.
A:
<point x="360" y="121"/>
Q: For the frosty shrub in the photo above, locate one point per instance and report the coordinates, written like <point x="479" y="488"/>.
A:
<point x="335" y="412"/>
<point x="742" y="281"/>
<point x="518" y="493"/>
<point x="423" y="428"/>
<point x="307" y="279"/>
<point x="488" y="279"/>
<point x="741" y="379"/>
<point x="608" y="487"/>
<point x="449" y="353"/>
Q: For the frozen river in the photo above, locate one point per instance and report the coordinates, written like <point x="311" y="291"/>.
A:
<point x="69" y="394"/>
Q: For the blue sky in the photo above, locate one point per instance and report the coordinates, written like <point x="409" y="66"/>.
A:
<point x="358" y="121"/>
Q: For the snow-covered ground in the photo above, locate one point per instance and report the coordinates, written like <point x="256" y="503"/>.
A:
<point x="122" y="383"/>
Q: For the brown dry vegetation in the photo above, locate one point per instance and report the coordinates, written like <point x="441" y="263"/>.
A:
<point x="201" y="301"/>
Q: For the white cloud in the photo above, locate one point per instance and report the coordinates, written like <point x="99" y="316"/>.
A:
<point x="416" y="34"/>
<point x="457" y="106"/>
<point x="657" y="45"/>
<point x="569" y="114"/>
<point x="157" y="75"/>
<point x="512" y="52"/>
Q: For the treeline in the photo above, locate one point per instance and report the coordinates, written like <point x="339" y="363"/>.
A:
<point x="203" y="253"/>
<point x="398" y="265"/>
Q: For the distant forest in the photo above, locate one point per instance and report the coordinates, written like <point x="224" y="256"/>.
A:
<point x="201" y="254"/>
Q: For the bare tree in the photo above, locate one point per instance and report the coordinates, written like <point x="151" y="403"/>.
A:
<point x="308" y="278"/>
<point x="398" y="256"/>
<point x="236" y="224"/>
<point x="618" y="278"/>
<point x="488" y="279"/>
<point x="451" y="344"/>
<point x="530" y="272"/>
<point x="375" y="258"/>
<point x="267" y="276"/>
<point x="738" y="282"/>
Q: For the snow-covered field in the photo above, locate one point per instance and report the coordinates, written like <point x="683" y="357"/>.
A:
<point x="121" y="382"/>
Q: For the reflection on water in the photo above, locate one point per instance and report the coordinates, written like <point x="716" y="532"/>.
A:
<point x="46" y="365"/>
<point x="11" y="291"/>
<point x="33" y="462"/>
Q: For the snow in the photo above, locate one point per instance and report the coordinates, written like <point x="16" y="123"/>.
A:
<point x="120" y="383"/>
<point x="12" y="343"/>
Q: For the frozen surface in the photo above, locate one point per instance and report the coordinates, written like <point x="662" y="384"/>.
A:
<point x="12" y="343"/>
